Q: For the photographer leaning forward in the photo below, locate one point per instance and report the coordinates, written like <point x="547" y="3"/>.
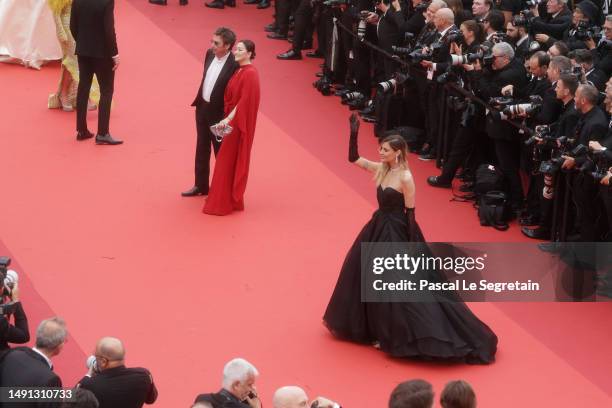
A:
<point x="10" y="306"/>
<point x="113" y="384"/>
<point x="505" y="70"/>
<point x="238" y="390"/>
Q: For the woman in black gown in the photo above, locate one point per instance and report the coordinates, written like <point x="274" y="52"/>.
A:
<point x="435" y="330"/>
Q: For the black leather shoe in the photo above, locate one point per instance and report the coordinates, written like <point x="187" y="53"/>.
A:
<point x="264" y="4"/>
<point x="159" y="2"/>
<point x="271" y="28"/>
<point x="84" y="135"/>
<point x="194" y="191"/>
<point x="216" y="4"/>
<point x="183" y="2"/>
<point x="435" y="181"/>
<point x="467" y="187"/>
<point x="107" y="139"/>
<point x="529" y="220"/>
<point x="289" y="55"/>
<point x="277" y="36"/>
<point x="315" y="54"/>
<point x="230" y="3"/>
<point x="536" y="233"/>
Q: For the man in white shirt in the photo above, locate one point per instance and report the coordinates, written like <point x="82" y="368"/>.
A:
<point x="219" y="66"/>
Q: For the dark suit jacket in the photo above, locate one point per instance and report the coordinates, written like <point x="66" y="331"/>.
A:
<point x="216" y="97"/>
<point x="122" y="387"/>
<point x="18" y="333"/>
<point x="23" y="367"/>
<point x="566" y="125"/>
<point x="92" y="24"/>
<point x="221" y="399"/>
<point x="554" y="27"/>
<point x="388" y="30"/>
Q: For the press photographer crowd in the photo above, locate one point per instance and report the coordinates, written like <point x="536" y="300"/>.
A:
<point x="511" y="92"/>
<point x="26" y="372"/>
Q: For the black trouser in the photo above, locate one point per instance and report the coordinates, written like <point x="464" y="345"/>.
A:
<point x="585" y="198"/>
<point x="204" y="120"/>
<point x="103" y="68"/>
<point x="508" y="157"/>
<point x="463" y="144"/>
<point x="303" y="24"/>
<point x="284" y="10"/>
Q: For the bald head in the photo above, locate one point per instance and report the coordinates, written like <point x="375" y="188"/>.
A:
<point x="111" y="348"/>
<point x="290" y="397"/>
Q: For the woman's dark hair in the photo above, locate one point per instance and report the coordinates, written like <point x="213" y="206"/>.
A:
<point x="458" y="394"/>
<point x="476" y="28"/>
<point x="250" y="47"/>
<point x="228" y="36"/>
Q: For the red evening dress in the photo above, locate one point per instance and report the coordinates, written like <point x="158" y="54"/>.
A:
<point x="232" y="163"/>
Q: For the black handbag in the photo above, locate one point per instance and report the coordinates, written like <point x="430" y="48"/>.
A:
<point x="493" y="210"/>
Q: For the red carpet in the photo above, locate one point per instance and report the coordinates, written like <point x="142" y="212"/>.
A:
<point x="102" y="237"/>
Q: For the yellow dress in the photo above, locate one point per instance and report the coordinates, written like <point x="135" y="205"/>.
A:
<point x="66" y="94"/>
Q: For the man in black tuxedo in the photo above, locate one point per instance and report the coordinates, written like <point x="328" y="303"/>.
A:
<point x="92" y="24"/>
<point x="219" y="66"/>
<point x="32" y="367"/>
<point x="115" y="385"/>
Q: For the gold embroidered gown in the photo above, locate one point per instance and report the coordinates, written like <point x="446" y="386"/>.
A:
<point x="66" y="94"/>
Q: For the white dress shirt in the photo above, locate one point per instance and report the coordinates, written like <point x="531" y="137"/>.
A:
<point x="212" y="74"/>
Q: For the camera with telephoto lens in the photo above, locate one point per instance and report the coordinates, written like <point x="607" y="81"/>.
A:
<point x="92" y="364"/>
<point x="523" y="19"/>
<point x="533" y="3"/>
<point x="585" y="31"/>
<point x="500" y="102"/>
<point x="525" y="109"/>
<point x="594" y="163"/>
<point x="386" y="86"/>
<point x="456" y="37"/>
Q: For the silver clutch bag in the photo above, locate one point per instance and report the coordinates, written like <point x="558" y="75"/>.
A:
<point x="221" y="131"/>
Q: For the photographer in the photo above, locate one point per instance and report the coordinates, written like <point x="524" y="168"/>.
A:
<point x="565" y="89"/>
<point x="444" y="21"/>
<point x="554" y="24"/>
<point x="602" y="52"/>
<point x="113" y="384"/>
<point x="519" y="37"/>
<point x="493" y="26"/>
<point x="594" y="76"/>
<point x="584" y="18"/>
<point x="10" y="305"/>
<point x="472" y="116"/>
<point x="504" y="70"/>
<point x="238" y="390"/>
<point x="592" y="126"/>
<point x="481" y="9"/>
<point x="295" y="397"/>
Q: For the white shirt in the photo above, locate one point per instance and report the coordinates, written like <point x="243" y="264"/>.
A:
<point x="44" y="356"/>
<point x="212" y="74"/>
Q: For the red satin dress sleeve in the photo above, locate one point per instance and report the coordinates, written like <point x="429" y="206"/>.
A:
<point x="229" y="180"/>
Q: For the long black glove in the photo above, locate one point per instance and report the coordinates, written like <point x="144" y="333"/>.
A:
<point x="353" y="150"/>
<point x="411" y="221"/>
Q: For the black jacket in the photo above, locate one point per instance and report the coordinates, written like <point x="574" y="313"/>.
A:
<point x="92" y="24"/>
<point x="489" y="84"/>
<point x="122" y="387"/>
<point x="566" y="125"/>
<point x="553" y="26"/>
<point x="221" y="399"/>
<point x="218" y="92"/>
<point x="24" y="367"/>
<point x="17" y="333"/>
<point x="592" y="125"/>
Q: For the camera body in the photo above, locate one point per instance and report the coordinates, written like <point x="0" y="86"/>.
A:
<point x="585" y="31"/>
<point x="527" y="109"/>
<point x="523" y="19"/>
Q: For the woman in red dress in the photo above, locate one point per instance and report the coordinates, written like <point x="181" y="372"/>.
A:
<point x="232" y="163"/>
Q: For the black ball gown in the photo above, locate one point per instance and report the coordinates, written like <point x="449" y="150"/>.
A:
<point x="438" y="330"/>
